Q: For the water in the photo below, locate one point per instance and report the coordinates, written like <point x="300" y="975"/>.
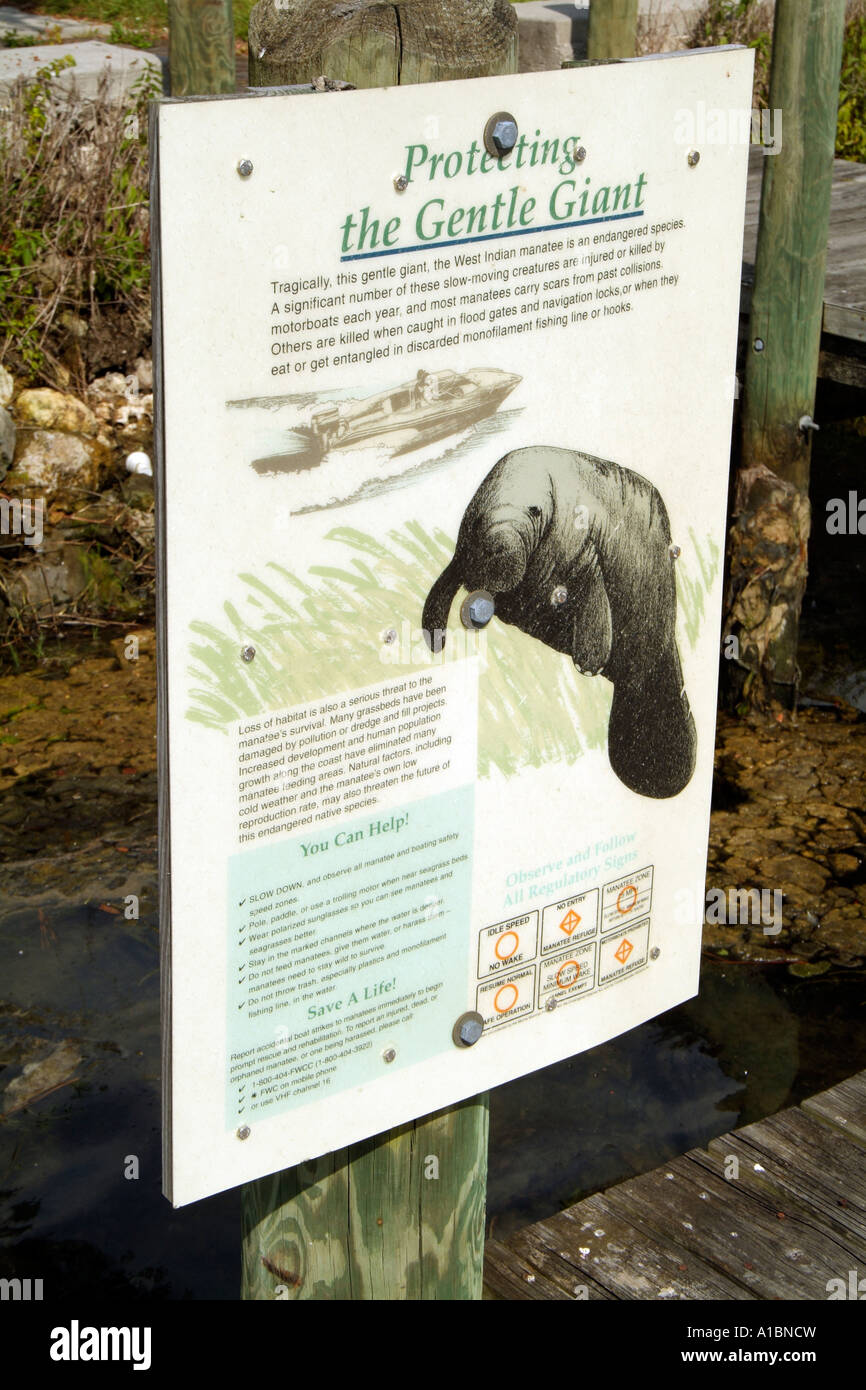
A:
<point x="756" y="1040"/>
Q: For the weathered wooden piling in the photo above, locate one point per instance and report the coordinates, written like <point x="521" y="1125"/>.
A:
<point x="612" y="29"/>
<point x="201" y="47"/>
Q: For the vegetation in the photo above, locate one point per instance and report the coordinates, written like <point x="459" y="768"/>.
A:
<point x="147" y="19"/>
<point x="74" y="234"/>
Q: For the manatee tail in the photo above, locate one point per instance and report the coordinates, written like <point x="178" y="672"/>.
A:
<point x="434" y="619"/>
<point x="651" y="737"/>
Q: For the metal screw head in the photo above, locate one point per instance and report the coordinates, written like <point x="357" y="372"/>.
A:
<point x="389" y="636"/>
<point x="244" y="1132"/>
<point x="500" y="134"/>
<point x="559" y="595"/>
<point x="579" y="155"/>
<point x="675" y="552"/>
<point x="655" y="953"/>
<point x="478" y="609"/>
<point x="692" y="158"/>
<point x="467" y="1030"/>
<point x="758" y="345"/>
<point x="247" y="653"/>
<point x="401" y="183"/>
<point x="551" y="1004"/>
<point x="806" y="423"/>
<point x="389" y="1054"/>
<point x="245" y="168"/>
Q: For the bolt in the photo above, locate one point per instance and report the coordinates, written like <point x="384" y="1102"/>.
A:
<point x="655" y="953"/>
<point x="401" y="183"/>
<point x="389" y="636"/>
<point x="693" y="158"/>
<point x="247" y="653"/>
<point x="551" y="1004"/>
<point x="675" y="552"/>
<point x="806" y="423"/>
<point x="244" y="1132"/>
<point x="480" y="611"/>
<point x="467" y="1030"/>
<point x="389" y="1054"/>
<point x="245" y="168"/>
<point x="758" y="345"/>
<point x="559" y="595"/>
<point x="579" y="155"/>
<point x="500" y="134"/>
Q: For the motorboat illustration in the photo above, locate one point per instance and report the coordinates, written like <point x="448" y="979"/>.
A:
<point x="435" y="404"/>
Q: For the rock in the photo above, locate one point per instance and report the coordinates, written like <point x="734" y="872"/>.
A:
<point x="57" y="577"/>
<point x="98" y="68"/>
<point x="550" y="35"/>
<point x="39" y="1078"/>
<point x="7" y="440"/>
<point x="52" y="410"/>
<point x="48" y="27"/>
<point x="844" y="865"/>
<point x="144" y="372"/>
<point x="59" y="467"/>
<point x="7" y="386"/>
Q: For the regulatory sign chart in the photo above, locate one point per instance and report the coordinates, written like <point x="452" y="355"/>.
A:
<point x="568" y="922"/>
<point x="626" y="899"/>
<point x="507" y="944"/>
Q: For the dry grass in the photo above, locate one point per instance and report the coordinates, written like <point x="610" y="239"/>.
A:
<point x="74" y="236"/>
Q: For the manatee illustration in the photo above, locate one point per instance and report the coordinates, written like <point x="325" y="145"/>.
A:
<point x="576" y="552"/>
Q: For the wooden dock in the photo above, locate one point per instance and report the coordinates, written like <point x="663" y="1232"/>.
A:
<point x="843" y="331"/>
<point x="772" y="1211"/>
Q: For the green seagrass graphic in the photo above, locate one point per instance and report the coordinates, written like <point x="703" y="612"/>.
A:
<point x="325" y="633"/>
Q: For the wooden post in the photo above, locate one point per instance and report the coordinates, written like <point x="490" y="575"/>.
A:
<point x="373" y="45"/>
<point x="201" y="54"/>
<point x="771" y="510"/>
<point x="398" y="1217"/>
<point x="612" y="29"/>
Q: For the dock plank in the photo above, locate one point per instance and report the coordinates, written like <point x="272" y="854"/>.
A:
<point x="792" y="1219"/>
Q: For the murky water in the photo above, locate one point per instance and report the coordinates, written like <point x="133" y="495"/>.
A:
<point x="753" y="1042"/>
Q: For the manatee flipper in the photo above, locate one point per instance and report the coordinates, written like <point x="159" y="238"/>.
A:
<point x="434" y="619"/>
<point x="651" y="738"/>
<point x="593" y="621"/>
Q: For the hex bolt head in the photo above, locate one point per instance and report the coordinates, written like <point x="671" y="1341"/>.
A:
<point x="467" y="1030"/>
<point x="401" y="183"/>
<point x="758" y="345"/>
<point x="579" y="155"/>
<point x="244" y="1132"/>
<point x="478" y="609"/>
<point x="389" y="1054"/>
<point x="500" y="134"/>
<point x="245" y="168"/>
<point x="248" y="653"/>
<point x="655" y="953"/>
<point x="693" y="157"/>
<point x="675" y="552"/>
<point x="559" y="596"/>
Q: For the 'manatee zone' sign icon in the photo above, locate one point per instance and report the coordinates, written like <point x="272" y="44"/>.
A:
<point x="439" y="612"/>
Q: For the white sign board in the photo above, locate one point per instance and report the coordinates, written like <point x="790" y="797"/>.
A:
<point x="442" y="493"/>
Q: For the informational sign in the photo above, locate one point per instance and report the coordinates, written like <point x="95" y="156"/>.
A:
<point x="446" y="378"/>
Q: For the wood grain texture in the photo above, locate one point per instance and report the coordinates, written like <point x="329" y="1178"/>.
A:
<point x="612" y="30"/>
<point x="201" y="47"/>
<point x="372" y="45"/>
<point x="368" y="1222"/>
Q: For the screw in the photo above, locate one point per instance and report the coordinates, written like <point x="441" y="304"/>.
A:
<point x="655" y="953"/>
<point x="389" y="1054"/>
<point x="245" y="168"/>
<point x="500" y="134"/>
<point x="675" y="552"/>
<point x="247" y="653"/>
<point x="693" y="158"/>
<point x="758" y="345"/>
<point x="389" y="636"/>
<point x="806" y="423"/>
<point x="244" y="1132"/>
<point x="401" y="183"/>
<point x="478" y="609"/>
<point x="559" y="595"/>
<point x="579" y="155"/>
<point x="467" y="1030"/>
<point x="551" y="1004"/>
